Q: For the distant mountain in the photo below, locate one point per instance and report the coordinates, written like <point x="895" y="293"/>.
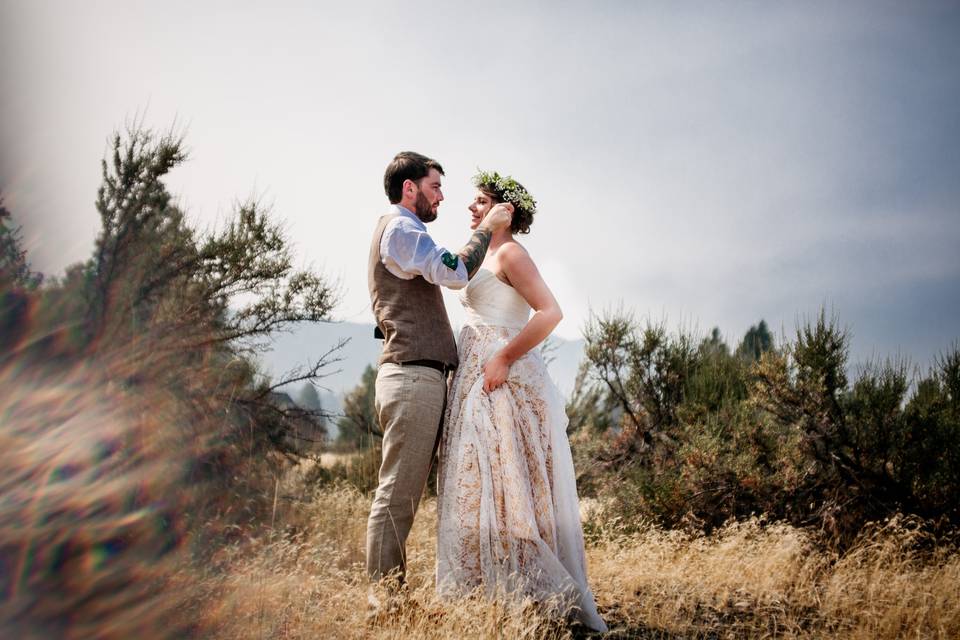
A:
<point x="308" y="341"/>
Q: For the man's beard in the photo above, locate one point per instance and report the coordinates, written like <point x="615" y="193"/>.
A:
<point x="424" y="209"/>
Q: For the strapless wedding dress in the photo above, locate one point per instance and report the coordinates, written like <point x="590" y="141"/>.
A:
<point x="508" y="512"/>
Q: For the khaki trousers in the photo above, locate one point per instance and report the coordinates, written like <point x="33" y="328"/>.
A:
<point x="409" y="404"/>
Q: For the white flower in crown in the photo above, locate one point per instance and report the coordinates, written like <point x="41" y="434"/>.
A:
<point x="507" y="189"/>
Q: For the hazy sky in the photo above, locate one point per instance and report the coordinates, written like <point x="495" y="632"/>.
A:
<point x="706" y="163"/>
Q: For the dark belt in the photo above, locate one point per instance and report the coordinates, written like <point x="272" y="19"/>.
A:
<point x="433" y="364"/>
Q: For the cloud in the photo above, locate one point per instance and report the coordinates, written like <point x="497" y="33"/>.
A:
<point x="719" y="163"/>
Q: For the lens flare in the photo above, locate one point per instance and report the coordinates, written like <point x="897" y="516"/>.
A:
<point x="95" y="495"/>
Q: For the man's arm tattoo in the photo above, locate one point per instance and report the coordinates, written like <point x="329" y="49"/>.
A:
<point x="473" y="252"/>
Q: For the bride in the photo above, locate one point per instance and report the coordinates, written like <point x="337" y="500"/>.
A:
<point x="509" y="519"/>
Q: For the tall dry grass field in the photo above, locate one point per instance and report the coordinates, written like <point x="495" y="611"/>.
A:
<point x="750" y="580"/>
<point x="757" y="581"/>
<point x="103" y="535"/>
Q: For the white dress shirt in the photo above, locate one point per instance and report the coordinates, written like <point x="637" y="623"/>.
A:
<point x="408" y="251"/>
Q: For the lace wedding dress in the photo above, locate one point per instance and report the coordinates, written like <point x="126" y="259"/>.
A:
<point x="508" y="513"/>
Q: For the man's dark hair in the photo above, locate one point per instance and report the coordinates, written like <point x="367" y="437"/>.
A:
<point x="406" y="165"/>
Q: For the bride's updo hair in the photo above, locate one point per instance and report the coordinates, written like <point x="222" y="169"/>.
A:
<point x="506" y="189"/>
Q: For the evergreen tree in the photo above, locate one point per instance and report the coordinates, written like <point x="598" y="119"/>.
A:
<point x="309" y="398"/>
<point x="18" y="284"/>
<point x="191" y="308"/>
<point x="149" y="264"/>
<point x="359" y="424"/>
<point x="714" y="343"/>
<point x="592" y="406"/>
<point x="14" y="269"/>
<point x="757" y="341"/>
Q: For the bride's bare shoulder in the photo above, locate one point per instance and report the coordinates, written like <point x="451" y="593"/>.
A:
<point x="515" y="261"/>
<point x="513" y="251"/>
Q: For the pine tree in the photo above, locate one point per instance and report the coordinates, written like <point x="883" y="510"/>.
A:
<point x="359" y="424"/>
<point x="14" y="269"/>
<point x="757" y="341"/>
<point x="309" y="398"/>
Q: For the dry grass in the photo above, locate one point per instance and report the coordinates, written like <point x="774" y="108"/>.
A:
<point x="309" y="582"/>
<point x="329" y="459"/>
<point x="750" y="580"/>
<point x="762" y="580"/>
<point x="98" y="539"/>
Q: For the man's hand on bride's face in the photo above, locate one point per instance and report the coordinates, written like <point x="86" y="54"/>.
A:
<point x="499" y="217"/>
<point x="495" y="373"/>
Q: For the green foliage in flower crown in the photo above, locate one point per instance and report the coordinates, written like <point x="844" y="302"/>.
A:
<point x="507" y="190"/>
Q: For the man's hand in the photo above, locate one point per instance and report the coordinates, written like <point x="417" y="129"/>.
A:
<point x="496" y="219"/>
<point x="495" y="372"/>
<point x="499" y="216"/>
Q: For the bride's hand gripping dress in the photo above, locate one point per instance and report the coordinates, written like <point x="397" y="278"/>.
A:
<point x="508" y="512"/>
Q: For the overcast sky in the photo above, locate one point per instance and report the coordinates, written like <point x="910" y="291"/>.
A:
<point x="704" y="163"/>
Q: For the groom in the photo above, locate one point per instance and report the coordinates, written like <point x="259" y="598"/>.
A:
<point x="405" y="272"/>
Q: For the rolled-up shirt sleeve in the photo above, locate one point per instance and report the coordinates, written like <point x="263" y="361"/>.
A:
<point x="408" y="252"/>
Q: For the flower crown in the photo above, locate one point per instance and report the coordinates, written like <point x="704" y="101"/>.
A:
<point x="507" y="189"/>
